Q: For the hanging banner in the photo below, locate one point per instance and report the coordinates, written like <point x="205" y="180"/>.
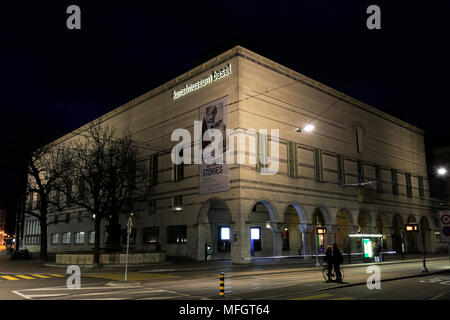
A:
<point x="213" y="177"/>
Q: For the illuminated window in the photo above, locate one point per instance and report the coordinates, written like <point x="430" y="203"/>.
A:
<point x="255" y="236"/>
<point x="66" y="238"/>
<point x="91" y="237"/>
<point x="176" y="234"/>
<point x="79" y="237"/>
<point x="224" y="239"/>
<point x="151" y="235"/>
<point x="54" y="238"/>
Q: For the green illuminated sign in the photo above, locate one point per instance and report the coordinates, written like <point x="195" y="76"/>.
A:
<point x="368" y="253"/>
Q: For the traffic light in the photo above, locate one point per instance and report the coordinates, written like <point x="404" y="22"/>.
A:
<point x="321" y="230"/>
<point x="413" y="227"/>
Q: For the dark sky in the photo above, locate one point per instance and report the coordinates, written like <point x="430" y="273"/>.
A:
<point x="54" y="80"/>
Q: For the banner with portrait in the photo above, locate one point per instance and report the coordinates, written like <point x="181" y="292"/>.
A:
<point x="214" y="177"/>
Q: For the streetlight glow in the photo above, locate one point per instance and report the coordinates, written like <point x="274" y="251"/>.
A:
<point x="442" y="171"/>
<point x="309" y="127"/>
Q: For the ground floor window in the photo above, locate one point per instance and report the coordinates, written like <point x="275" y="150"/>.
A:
<point x="54" y="238"/>
<point x="66" y="238"/>
<point x="150" y="235"/>
<point x="285" y="239"/>
<point x="79" y="237"/>
<point x="33" y="232"/>
<point x="176" y="234"/>
<point x="255" y="237"/>
<point x="224" y="239"/>
<point x="132" y="236"/>
<point x="91" y="237"/>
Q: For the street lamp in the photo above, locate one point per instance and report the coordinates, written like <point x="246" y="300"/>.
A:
<point x="442" y="171"/>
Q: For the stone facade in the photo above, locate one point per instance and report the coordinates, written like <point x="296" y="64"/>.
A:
<point x="360" y="170"/>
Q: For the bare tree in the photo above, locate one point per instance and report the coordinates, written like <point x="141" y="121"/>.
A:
<point x="106" y="178"/>
<point x="44" y="174"/>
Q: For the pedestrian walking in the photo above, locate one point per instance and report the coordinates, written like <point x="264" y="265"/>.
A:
<point x="338" y="259"/>
<point x="376" y="254"/>
<point x="328" y="258"/>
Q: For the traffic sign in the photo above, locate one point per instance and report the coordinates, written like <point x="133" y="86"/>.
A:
<point x="445" y="226"/>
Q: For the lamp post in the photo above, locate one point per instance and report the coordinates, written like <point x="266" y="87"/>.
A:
<point x="129" y="228"/>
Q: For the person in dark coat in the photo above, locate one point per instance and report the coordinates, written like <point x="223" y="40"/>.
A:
<point x="329" y="261"/>
<point x="338" y="259"/>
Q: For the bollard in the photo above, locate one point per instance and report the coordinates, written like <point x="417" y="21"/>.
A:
<point x="222" y="284"/>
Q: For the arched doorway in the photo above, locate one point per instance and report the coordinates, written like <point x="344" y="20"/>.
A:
<point x="426" y="234"/>
<point x="380" y="224"/>
<point x="411" y="240"/>
<point x="397" y="225"/>
<point x="344" y="225"/>
<point x="215" y="230"/>
<point x="262" y="239"/>
<point x="320" y="241"/>
<point x="292" y="238"/>
<point x="364" y="222"/>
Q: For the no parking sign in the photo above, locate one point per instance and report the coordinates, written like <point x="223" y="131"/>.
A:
<point x="445" y="226"/>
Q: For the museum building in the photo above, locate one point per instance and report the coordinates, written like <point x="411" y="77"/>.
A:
<point x="360" y="171"/>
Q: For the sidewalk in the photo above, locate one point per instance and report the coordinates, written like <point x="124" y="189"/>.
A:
<point x="261" y="265"/>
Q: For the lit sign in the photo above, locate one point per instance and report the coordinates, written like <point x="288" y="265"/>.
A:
<point x="225" y="233"/>
<point x="210" y="78"/>
<point x="254" y="234"/>
<point x="321" y="230"/>
<point x="411" y="227"/>
<point x="368" y="253"/>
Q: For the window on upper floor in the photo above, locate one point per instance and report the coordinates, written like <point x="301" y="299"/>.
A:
<point x="359" y="136"/>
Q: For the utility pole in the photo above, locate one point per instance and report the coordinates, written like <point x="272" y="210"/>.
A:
<point x="129" y="229"/>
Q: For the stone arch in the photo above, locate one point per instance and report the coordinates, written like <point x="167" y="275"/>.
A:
<point x="272" y="213"/>
<point x="323" y="214"/>
<point x="292" y="239"/>
<point x="397" y="225"/>
<point x="269" y="244"/>
<point x="426" y="233"/>
<point x="364" y="221"/>
<point x="213" y="215"/>
<point x="381" y="222"/>
<point x="344" y="226"/>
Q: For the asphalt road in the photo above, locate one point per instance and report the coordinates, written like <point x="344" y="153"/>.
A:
<point x="258" y="283"/>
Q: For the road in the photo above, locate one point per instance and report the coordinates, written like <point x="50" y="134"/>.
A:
<point x="259" y="283"/>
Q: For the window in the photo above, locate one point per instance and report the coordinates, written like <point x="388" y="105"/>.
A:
<point x="318" y="167"/>
<point x="153" y="169"/>
<point x="79" y="237"/>
<point x="66" y="238"/>
<point x="421" y="189"/>
<point x="80" y="216"/>
<point x="292" y="161"/>
<point x="378" y="174"/>
<point x="176" y="234"/>
<point x="68" y="217"/>
<point x="394" y="181"/>
<point x="360" y="172"/>
<point x="152" y="207"/>
<point x="408" y="185"/>
<point x="285" y="239"/>
<point x="255" y="237"/>
<point x="224" y="239"/>
<point x="56" y="218"/>
<point x="359" y="135"/>
<point x="178" y="172"/>
<point x="91" y="237"/>
<point x="177" y="203"/>
<point x="132" y="236"/>
<point x="341" y="169"/>
<point x="54" y="238"/>
<point x="150" y="235"/>
<point x="261" y="151"/>
<point x="33" y="232"/>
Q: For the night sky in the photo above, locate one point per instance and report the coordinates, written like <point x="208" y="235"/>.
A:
<point x="54" y="80"/>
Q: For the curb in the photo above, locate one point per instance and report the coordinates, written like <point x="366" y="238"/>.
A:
<point x="424" y="274"/>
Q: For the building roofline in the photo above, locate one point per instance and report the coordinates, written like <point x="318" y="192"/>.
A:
<point x="239" y="51"/>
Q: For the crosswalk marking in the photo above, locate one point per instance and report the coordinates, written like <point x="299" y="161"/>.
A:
<point x="325" y="296"/>
<point x="9" y="278"/>
<point x="24" y="276"/>
<point x="30" y="276"/>
<point x="40" y="276"/>
<point x="314" y="297"/>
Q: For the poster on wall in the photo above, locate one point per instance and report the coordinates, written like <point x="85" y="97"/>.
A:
<point x="214" y="177"/>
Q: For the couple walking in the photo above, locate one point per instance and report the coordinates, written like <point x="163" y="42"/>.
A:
<point x="333" y="259"/>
